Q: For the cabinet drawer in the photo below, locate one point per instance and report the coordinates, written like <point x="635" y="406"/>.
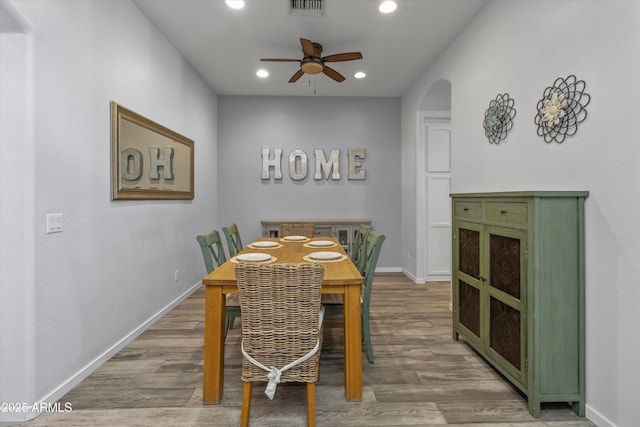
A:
<point x="468" y="209"/>
<point x="507" y="212"/>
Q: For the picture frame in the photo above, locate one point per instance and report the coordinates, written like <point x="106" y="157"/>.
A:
<point x="148" y="161"/>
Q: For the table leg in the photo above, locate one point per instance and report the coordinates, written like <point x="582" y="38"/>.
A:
<point x="352" y="343"/>
<point x="213" y="369"/>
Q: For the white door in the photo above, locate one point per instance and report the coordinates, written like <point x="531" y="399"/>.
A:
<point x="437" y="184"/>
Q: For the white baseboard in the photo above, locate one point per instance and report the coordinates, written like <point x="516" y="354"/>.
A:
<point x="48" y="400"/>
<point x="444" y="277"/>
<point x="389" y="270"/>
<point x="414" y="279"/>
<point x="597" y="418"/>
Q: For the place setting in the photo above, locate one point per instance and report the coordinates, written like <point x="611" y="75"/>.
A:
<point x="320" y="244"/>
<point x="324" y="256"/>
<point x="297" y="239"/>
<point x="264" y="244"/>
<point x="254" y="257"/>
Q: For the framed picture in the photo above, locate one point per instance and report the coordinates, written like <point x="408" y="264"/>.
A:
<point x="148" y="160"/>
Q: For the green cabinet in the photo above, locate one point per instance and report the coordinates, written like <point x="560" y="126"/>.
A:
<point x="518" y="288"/>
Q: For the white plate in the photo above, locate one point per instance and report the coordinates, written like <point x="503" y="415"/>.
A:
<point x="295" y="238"/>
<point x="264" y="244"/>
<point x="324" y="255"/>
<point x="321" y="243"/>
<point x="253" y="257"/>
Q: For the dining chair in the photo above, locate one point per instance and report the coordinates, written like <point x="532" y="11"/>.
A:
<point x="281" y="328"/>
<point x="307" y="230"/>
<point x="334" y="304"/>
<point x="213" y="251"/>
<point x="234" y="243"/>
<point x="358" y="246"/>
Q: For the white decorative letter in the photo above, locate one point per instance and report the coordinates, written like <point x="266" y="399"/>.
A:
<point x="326" y="166"/>
<point x="276" y="162"/>
<point x="135" y="157"/>
<point x="155" y="163"/>
<point x="356" y="153"/>
<point x="293" y="170"/>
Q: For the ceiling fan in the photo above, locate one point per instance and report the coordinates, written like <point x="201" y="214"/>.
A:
<point x="313" y="62"/>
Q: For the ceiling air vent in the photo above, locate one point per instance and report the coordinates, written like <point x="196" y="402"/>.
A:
<point x="307" y="7"/>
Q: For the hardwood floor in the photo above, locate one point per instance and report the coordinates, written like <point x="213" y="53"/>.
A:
<point x="420" y="377"/>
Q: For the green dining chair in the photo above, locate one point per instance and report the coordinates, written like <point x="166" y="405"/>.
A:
<point x="234" y="243"/>
<point x="372" y="245"/>
<point x="213" y="251"/>
<point x="358" y="246"/>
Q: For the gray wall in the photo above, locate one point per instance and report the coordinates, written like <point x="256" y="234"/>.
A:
<point x="521" y="47"/>
<point x="246" y="124"/>
<point x="70" y="300"/>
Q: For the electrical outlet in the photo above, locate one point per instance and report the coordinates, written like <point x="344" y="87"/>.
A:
<point x="54" y="223"/>
<point x="175" y="276"/>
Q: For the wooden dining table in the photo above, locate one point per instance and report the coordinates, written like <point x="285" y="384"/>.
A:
<point x="340" y="277"/>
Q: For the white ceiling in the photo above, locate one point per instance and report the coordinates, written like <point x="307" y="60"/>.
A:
<point x="224" y="45"/>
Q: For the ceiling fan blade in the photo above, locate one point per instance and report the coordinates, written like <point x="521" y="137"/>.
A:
<point x="333" y="74"/>
<point x="279" y="60"/>
<point x="347" y="56"/>
<point x="296" y="76"/>
<point x="307" y="47"/>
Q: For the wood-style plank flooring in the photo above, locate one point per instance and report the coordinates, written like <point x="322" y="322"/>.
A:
<point x="420" y="377"/>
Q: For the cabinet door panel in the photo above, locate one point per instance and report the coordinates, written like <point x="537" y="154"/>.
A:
<point x="469" y="251"/>
<point x="469" y="307"/>
<point x="504" y="264"/>
<point x="504" y="332"/>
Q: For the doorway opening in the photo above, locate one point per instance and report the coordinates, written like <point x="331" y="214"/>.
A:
<point x="433" y="174"/>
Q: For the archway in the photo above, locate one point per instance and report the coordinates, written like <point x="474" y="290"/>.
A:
<point x="433" y="174"/>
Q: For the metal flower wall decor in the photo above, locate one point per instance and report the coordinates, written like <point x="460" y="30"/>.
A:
<point x="561" y="109"/>
<point x="498" y="119"/>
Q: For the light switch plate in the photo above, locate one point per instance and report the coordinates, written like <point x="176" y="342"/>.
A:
<point x="54" y="223"/>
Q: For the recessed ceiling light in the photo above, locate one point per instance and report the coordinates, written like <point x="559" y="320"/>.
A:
<point x="360" y="75"/>
<point x="262" y="73"/>
<point x="387" y="6"/>
<point x="235" y="4"/>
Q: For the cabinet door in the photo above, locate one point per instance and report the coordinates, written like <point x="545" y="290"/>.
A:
<point x="467" y="287"/>
<point x="506" y="300"/>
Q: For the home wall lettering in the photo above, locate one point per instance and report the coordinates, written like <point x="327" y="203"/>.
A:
<point x="327" y="168"/>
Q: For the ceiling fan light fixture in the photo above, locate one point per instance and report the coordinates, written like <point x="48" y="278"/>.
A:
<point x="312" y="67"/>
<point x="235" y="4"/>
<point x="262" y="73"/>
<point x="360" y="75"/>
<point x="387" y="6"/>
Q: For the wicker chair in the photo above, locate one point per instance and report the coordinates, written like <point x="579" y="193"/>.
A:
<point x="307" y="230"/>
<point x="212" y="250"/>
<point x="234" y="243"/>
<point x="333" y="305"/>
<point x="281" y="323"/>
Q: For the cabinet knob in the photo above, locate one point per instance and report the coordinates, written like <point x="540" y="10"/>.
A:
<point x="503" y="211"/>
<point x="465" y="209"/>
